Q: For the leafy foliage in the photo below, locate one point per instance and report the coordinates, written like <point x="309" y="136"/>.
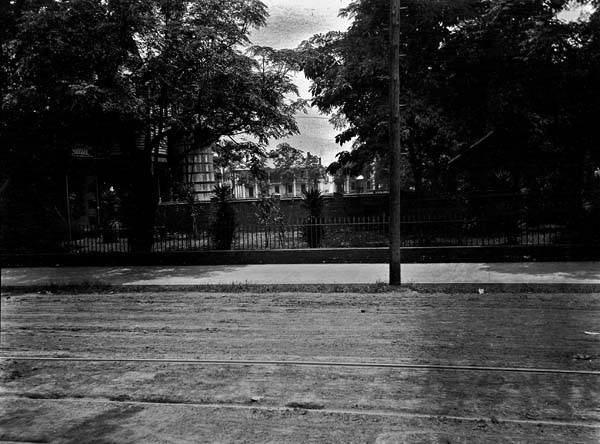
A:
<point x="224" y="219"/>
<point x="271" y="218"/>
<point x="313" y="202"/>
<point x="134" y="75"/>
<point x="468" y="67"/>
<point x="350" y="73"/>
<point x="291" y="163"/>
<point x="313" y="229"/>
<point x="287" y="161"/>
<point x="232" y="155"/>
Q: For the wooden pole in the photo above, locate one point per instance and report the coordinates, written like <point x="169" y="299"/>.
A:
<point x="395" y="143"/>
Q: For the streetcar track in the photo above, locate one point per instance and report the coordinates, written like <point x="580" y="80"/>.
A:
<point x="321" y="411"/>
<point x="244" y="362"/>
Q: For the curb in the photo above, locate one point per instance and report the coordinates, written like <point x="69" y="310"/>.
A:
<point x="448" y="254"/>
<point x="458" y="288"/>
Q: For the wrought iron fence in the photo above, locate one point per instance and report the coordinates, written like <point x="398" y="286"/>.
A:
<point x="90" y="239"/>
<point x="335" y="232"/>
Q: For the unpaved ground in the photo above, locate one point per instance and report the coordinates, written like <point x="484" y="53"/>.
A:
<point x="141" y="402"/>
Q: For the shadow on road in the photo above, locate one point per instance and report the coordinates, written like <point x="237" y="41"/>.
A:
<point x="531" y="331"/>
<point x="572" y="270"/>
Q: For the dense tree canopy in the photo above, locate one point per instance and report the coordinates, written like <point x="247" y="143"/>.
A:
<point x="168" y="64"/>
<point x="138" y="75"/>
<point x="513" y="68"/>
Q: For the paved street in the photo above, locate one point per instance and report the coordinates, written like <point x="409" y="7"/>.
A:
<point x="490" y="273"/>
<point x="63" y="401"/>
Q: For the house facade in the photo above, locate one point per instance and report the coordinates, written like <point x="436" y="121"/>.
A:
<point x="276" y="184"/>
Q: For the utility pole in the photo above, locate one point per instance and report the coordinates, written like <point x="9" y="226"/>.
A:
<point x="395" y="142"/>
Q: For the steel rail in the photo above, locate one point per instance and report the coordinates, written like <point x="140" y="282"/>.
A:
<point x="324" y="410"/>
<point x="382" y="365"/>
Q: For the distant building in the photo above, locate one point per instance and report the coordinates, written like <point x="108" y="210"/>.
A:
<point x="287" y="186"/>
<point x="245" y="186"/>
<point x="199" y="176"/>
<point x="198" y="171"/>
<point x="365" y="183"/>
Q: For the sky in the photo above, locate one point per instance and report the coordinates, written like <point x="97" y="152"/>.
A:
<point x="291" y="22"/>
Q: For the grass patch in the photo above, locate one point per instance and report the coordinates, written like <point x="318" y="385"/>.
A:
<point x="380" y="287"/>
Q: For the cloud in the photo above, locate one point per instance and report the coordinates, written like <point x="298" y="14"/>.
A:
<point x="286" y="30"/>
<point x="290" y="23"/>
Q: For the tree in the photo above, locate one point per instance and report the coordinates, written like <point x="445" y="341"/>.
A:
<point x="500" y="68"/>
<point x="469" y="67"/>
<point x="350" y="78"/>
<point x="270" y="218"/>
<point x="313" y="229"/>
<point x="50" y="58"/>
<point x="224" y="219"/>
<point x="290" y="164"/>
<point x="139" y="74"/>
<point x="287" y="161"/>
<point x="313" y="170"/>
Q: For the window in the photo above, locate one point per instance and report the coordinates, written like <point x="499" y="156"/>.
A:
<point x="250" y="192"/>
<point x="276" y="189"/>
<point x="290" y="189"/>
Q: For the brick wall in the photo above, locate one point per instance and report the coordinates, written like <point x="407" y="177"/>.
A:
<point x="177" y="217"/>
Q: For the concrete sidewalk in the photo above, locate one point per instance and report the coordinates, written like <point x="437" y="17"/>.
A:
<point x="465" y="273"/>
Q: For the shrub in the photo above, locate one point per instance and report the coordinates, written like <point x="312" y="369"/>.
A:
<point x="224" y="220"/>
<point x="111" y="231"/>
<point x="313" y="229"/>
<point x="270" y="218"/>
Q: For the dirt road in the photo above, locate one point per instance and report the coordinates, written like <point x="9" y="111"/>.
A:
<point x="158" y="402"/>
